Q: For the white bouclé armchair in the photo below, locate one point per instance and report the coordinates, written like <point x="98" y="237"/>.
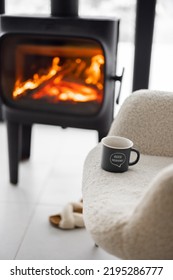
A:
<point x="130" y="215"/>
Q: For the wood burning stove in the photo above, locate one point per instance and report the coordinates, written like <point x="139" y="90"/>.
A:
<point x="57" y="70"/>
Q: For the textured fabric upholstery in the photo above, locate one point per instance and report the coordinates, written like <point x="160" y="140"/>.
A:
<point x="146" y="117"/>
<point x="130" y="214"/>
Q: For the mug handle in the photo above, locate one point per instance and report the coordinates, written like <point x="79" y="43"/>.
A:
<point x="138" y="157"/>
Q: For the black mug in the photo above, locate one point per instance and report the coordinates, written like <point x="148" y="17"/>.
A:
<point x="116" y="152"/>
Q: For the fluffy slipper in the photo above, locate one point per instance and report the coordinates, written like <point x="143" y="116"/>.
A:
<point x="70" y="218"/>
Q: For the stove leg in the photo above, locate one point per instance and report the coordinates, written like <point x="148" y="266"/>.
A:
<point x="101" y="134"/>
<point x="13" y="150"/>
<point x="25" y="141"/>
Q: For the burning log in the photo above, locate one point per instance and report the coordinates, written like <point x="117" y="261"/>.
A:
<point x="73" y="81"/>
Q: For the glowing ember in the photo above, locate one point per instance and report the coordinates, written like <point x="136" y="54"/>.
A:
<point x="74" y="80"/>
<point x="67" y="91"/>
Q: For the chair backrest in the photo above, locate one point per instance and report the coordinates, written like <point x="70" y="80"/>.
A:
<point x="146" y="117"/>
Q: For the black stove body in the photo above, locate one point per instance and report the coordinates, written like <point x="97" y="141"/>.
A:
<point x="56" y="70"/>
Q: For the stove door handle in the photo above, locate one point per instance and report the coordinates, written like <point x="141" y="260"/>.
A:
<point x="119" y="79"/>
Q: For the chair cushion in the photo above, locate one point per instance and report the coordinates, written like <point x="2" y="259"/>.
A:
<point x="109" y="198"/>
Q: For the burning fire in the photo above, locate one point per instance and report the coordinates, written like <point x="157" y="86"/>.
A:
<point x="74" y="80"/>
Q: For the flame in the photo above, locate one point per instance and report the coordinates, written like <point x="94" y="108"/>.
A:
<point x="93" y="73"/>
<point x="74" y="80"/>
<point x="37" y="80"/>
